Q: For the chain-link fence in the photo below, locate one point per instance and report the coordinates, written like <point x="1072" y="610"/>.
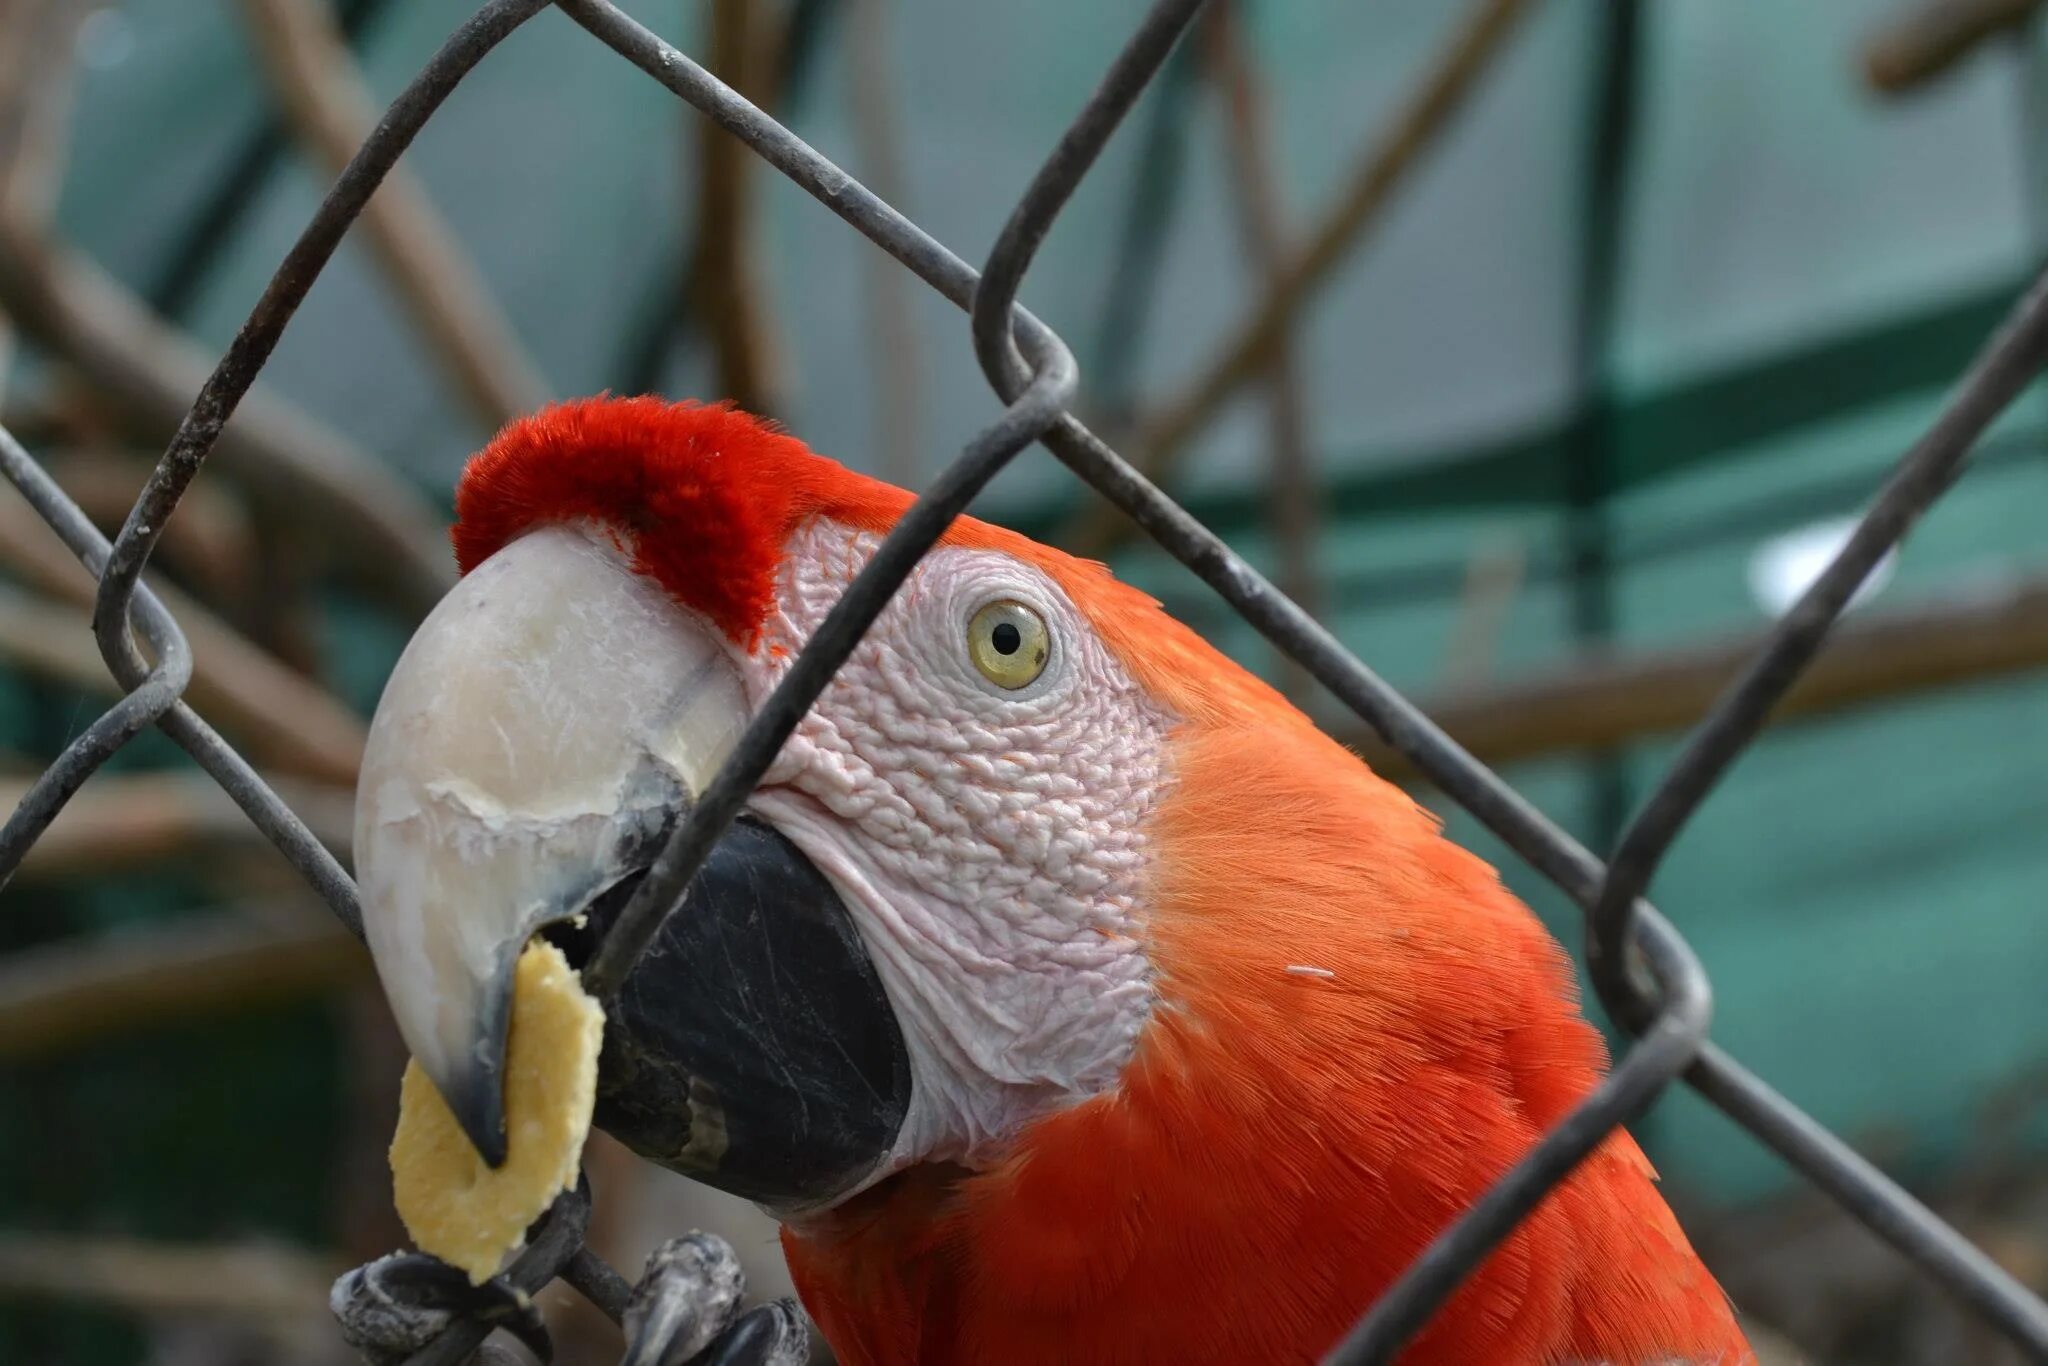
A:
<point x="1641" y="967"/>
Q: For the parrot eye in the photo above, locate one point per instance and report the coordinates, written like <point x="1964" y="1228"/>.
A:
<point x="1009" y="643"/>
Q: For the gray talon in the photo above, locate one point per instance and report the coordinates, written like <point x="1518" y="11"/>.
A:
<point x="689" y="1295"/>
<point x="773" y="1334"/>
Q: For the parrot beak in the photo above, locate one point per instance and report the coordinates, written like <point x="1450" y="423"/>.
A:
<point x="542" y="734"/>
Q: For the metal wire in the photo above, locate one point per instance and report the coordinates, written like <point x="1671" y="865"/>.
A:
<point x="1643" y="969"/>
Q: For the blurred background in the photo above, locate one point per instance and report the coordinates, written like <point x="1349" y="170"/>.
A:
<point x="1540" y="347"/>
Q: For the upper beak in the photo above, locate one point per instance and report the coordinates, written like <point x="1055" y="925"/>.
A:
<point x="540" y="735"/>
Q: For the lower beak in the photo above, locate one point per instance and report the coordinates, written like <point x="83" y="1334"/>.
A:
<point x="541" y="736"/>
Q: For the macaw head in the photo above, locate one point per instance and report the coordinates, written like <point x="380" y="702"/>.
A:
<point x="930" y="925"/>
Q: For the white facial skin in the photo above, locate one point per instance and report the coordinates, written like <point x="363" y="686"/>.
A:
<point x="987" y="842"/>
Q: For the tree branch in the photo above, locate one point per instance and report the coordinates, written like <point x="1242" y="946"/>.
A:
<point x="1961" y="637"/>
<point x="1261" y="226"/>
<point x="316" y="82"/>
<point x="724" y="282"/>
<point x="1164" y="437"/>
<point x="1914" y="47"/>
<point x="372" y="524"/>
<point x="137" y="820"/>
<point x="55" y="997"/>
<point x="286" y="719"/>
<point x="1493" y="579"/>
<point x="210" y="544"/>
<point x="872" y="95"/>
<point x="257" y="1280"/>
<point x="35" y="69"/>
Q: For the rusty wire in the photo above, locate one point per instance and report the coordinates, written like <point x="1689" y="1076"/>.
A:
<point x="1642" y="968"/>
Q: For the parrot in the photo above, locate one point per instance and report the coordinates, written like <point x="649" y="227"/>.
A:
<point x="1062" y="990"/>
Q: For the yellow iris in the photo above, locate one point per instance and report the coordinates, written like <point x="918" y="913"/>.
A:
<point x="1009" y="644"/>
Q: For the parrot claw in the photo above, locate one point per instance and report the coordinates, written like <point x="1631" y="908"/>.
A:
<point x="686" y="1312"/>
<point x="772" y="1334"/>
<point x="392" y="1307"/>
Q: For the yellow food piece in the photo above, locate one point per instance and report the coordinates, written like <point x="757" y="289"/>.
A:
<point x="454" y="1205"/>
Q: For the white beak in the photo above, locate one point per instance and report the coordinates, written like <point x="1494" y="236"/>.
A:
<point x="543" y="731"/>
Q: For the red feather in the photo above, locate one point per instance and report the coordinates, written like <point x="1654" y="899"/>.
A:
<point x="707" y="494"/>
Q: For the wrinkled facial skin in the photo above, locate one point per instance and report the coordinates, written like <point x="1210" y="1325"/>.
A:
<point x="989" y="843"/>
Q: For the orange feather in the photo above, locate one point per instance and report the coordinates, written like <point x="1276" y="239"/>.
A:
<point x="1285" y="1144"/>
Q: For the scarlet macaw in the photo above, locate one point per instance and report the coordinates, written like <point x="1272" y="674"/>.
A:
<point x="1063" y="990"/>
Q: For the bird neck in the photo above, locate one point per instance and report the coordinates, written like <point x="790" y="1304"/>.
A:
<point x="1357" y="1030"/>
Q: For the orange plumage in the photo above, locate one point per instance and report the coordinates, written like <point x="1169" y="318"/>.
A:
<point x="1283" y="1144"/>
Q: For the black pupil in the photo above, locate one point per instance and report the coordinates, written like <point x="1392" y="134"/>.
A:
<point x="1006" y="638"/>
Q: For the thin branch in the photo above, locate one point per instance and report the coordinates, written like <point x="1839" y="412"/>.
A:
<point x="254" y="1280"/>
<point x="1493" y="579"/>
<point x="1962" y="637"/>
<point x="328" y="105"/>
<point x="285" y="610"/>
<point x="35" y="72"/>
<point x="873" y="92"/>
<point x="724" y="283"/>
<point x="1914" y="47"/>
<point x="1253" y="158"/>
<point x="138" y="820"/>
<point x="1124" y="317"/>
<point x="211" y="545"/>
<point x="51" y="642"/>
<point x="385" y="532"/>
<point x="286" y="719"/>
<point x="1367" y="190"/>
<point x="56" y="997"/>
<point x="373" y="524"/>
<point x="35" y="69"/>
<point x="40" y="415"/>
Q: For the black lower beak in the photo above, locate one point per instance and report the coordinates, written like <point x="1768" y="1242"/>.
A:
<point x="476" y="1095"/>
<point x="752" y="1047"/>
